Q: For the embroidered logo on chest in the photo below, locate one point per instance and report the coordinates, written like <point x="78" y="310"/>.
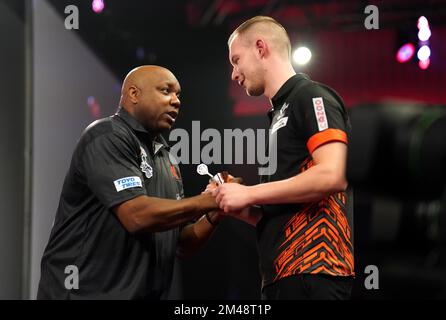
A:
<point x="145" y="167"/>
<point x="280" y="120"/>
<point x="282" y="111"/>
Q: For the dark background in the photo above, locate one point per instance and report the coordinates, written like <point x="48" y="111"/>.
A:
<point x="397" y="155"/>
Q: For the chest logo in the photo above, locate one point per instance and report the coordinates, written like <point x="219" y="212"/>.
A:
<point x="145" y="167"/>
<point x="282" y="110"/>
<point x="279" y="124"/>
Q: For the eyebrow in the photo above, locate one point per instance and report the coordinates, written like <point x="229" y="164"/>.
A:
<point x="172" y="85"/>
<point x="233" y="58"/>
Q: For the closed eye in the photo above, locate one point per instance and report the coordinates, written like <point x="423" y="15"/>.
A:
<point x="235" y="60"/>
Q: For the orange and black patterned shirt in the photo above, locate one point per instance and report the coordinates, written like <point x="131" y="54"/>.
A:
<point x="317" y="237"/>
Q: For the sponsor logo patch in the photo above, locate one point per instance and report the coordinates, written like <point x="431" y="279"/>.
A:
<point x="319" y="111"/>
<point x="127" y="182"/>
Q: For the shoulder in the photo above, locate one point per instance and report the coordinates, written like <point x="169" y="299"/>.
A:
<point x="315" y="90"/>
<point x="106" y="132"/>
<point x="105" y="128"/>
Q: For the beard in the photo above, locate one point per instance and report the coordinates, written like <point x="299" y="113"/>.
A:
<point x="257" y="87"/>
<point x="255" y="91"/>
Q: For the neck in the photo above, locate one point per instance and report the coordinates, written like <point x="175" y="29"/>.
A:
<point x="131" y="111"/>
<point x="279" y="74"/>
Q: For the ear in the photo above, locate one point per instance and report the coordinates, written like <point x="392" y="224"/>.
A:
<point x="133" y="93"/>
<point x="261" y="48"/>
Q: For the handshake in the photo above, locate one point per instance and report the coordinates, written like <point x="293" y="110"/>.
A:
<point x="231" y="197"/>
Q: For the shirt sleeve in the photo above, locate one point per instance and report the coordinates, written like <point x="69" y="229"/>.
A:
<point x="321" y="115"/>
<point x="111" y="170"/>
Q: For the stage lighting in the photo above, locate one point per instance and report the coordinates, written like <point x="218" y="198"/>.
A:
<point x="405" y="53"/>
<point x="97" y="5"/>
<point x="424" y="34"/>
<point x="94" y="107"/>
<point x="424" y="64"/>
<point x="424" y="53"/>
<point x="422" y="23"/>
<point x="302" y="55"/>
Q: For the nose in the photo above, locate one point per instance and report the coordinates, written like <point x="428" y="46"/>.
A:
<point x="234" y="75"/>
<point x="175" y="101"/>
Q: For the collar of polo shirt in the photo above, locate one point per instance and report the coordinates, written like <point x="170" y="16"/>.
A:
<point x="158" y="142"/>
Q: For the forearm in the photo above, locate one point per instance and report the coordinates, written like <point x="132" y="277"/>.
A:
<point x="311" y="185"/>
<point x="195" y="235"/>
<point x="157" y="214"/>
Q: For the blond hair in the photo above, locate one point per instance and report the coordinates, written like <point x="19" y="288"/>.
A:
<point x="267" y="27"/>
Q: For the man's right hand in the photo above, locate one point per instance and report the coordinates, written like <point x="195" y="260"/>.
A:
<point x="227" y="178"/>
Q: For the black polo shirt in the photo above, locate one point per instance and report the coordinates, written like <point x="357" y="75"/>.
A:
<point x="115" y="160"/>
<point x="315" y="238"/>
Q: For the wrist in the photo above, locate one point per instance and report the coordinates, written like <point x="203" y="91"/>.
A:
<point x="213" y="218"/>
<point x="250" y="191"/>
<point x="206" y="202"/>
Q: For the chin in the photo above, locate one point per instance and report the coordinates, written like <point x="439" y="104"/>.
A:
<point x="254" y="92"/>
<point x="165" y="127"/>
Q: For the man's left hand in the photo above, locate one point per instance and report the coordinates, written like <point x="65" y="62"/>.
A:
<point x="232" y="197"/>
